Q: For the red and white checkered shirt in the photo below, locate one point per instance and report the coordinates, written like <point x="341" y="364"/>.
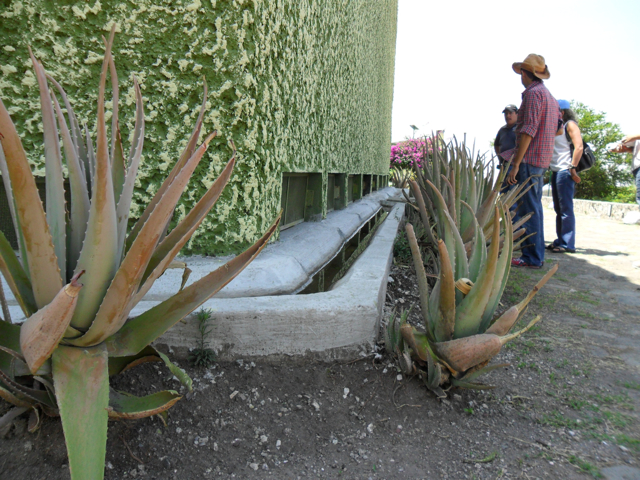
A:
<point x="538" y="117"/>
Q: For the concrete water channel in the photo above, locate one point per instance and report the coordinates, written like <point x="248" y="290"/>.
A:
<point x="317" y="290"/>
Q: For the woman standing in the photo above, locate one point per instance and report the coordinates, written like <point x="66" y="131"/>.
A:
<point x="564" y="178"/>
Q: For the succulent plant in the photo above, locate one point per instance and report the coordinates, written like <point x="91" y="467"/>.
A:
<point x="473" y="233"/>
<point x="80" y="273"/>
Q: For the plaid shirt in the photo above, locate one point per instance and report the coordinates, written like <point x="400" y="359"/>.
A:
<point x="539" y="117"/>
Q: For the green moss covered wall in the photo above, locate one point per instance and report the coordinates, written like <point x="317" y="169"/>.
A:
<point x="300" y="86"/>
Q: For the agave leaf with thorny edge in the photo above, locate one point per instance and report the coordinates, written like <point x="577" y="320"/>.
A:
<point x="99" y="255"/>
<point x="53" y="171"/>
<point x="124" y="201"/>
<point x="81" y="379"/>
<point x="502" y="272"/>
<point x="144" y="329"/>
<point x="173" y="243"/>
<point x="80" y="205"/>
<point x="16" y="277"/>
<point x="41" y="260"/>
<point x="423" y="286"/>
<point x="184" y="157"/>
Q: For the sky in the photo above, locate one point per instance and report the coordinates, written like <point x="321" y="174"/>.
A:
<point x="453" y="62"/>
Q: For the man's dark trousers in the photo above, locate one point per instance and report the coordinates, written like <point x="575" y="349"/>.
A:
<point x="532" y="202"/>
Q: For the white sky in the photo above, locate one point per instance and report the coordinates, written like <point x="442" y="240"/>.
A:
<point x="453" y="61"/>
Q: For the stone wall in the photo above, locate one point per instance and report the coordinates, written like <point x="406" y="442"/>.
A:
<point x="597" y="209"/>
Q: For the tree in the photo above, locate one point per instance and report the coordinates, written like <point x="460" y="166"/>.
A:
<point x="611" y="171"/>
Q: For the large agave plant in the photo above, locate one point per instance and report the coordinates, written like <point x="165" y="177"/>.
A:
<point x="461" y="332"/>
<point x="77" y="331"/>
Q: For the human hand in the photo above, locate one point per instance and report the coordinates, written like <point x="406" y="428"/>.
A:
<point x="511" y="177"/>
<point x="574" y="176"/>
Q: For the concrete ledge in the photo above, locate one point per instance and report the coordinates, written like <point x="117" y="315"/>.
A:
<point x="334" y="324"/>
<point x="596" y="209"/>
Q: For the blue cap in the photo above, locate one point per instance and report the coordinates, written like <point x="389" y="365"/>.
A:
<point x="564" y="104"/>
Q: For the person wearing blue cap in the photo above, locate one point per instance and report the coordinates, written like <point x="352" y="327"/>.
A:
<point x="566" y="156"/>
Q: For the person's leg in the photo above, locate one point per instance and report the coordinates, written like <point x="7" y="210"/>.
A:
<point x="566" y="188"/>
<point x="532" y="202"/>
<point x="637" y="173"/>
<point x="556" y="207"/>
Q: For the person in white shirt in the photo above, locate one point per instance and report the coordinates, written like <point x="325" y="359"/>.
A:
<point x="631" y="143"/>
<point x="564" y="178"/>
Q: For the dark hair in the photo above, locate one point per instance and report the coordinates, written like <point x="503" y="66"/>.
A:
<point x="530" y="75"/>
<point x="568" y="114"/>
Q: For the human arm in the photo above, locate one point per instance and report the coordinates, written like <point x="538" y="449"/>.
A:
<point x="631" y="138"/>
<point x="578" y="148"/>
<point x="525" y="140"/>
<point x="496" y="143"/>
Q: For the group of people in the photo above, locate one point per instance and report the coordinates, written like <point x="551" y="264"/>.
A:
<point x="543" y="134"/>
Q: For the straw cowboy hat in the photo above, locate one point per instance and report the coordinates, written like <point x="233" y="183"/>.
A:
<point x="534" y="64"/>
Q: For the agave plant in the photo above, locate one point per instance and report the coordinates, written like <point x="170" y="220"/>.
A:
<point x="78" y="330"/>
<point x="461" y="332"/>
<point x="400" y="177"/>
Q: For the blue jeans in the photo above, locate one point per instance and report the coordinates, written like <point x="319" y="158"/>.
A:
<point x="562" y="189"/>
<point x="637" y="174"/>
<point x="532" y="202"/>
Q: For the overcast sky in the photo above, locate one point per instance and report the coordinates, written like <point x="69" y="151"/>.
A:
<point x="453" y="61"/>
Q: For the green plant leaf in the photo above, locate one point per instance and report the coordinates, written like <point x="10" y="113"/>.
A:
<point x="76" y="132"/>
<point x="100" y="249"/>
<point x="122" y="364"/>
<point x="184" y="157"/>
<point x="443" y="330"/>
<point x="125" y="406"/>
<point x="452" y="239"/>
<point x="180" y="374"/>
<point x="478" y="254"/>
<point x="81" y="380"/>
<point x="56" y="209"/>
<point x="139" y="332"/>
<point x="124" y="200"/>
<point x="16" y="277"/>
<point x="43" y="269"/>
<point x="80" y="205"/>
<point x="502" y="272"/>
<point x="423" y="286"/>
<point x="6" y="180"/>
<point x="13" y="399"/>
<point x="180" y="235"/>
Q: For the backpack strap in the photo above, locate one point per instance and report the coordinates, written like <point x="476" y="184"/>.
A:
<point x="566" y="132"/>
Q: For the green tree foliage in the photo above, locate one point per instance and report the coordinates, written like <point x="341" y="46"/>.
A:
<point x="611" y="171"/>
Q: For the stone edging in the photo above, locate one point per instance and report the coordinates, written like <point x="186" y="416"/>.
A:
<point x="595" y="208"/>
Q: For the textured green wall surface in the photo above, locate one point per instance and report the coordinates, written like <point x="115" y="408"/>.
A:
<point x="299" y="85"/>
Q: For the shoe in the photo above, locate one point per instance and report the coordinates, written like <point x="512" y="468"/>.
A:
<point x="519" y="262"/>
<point x="551" y="246"/>
<point x="561" y="250"/>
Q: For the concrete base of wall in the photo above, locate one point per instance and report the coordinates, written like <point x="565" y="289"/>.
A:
<point x="336" y="324"/>
<point x="597" y="209"/>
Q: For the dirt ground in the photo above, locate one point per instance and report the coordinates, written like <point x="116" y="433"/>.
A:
<point x="566" y="407"/>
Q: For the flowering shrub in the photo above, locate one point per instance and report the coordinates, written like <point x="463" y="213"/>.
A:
<point x="409" y="152"/>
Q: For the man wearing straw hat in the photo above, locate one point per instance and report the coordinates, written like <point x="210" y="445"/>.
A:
<point x="539" y="118"/>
